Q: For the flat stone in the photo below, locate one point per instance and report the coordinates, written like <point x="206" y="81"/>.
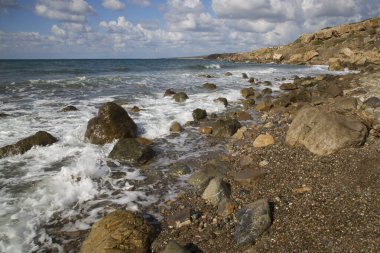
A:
<point x="263" y="140"/>
<point x="248" y="176"/>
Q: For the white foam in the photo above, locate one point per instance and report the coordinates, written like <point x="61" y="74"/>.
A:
<point x="213" y="66"/>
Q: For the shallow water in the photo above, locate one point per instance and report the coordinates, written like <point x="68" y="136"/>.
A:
<point x="70" y="181"/>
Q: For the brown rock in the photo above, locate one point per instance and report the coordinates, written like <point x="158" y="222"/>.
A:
<point x="120" y="231"/>
<point x="288" y="86"/>
<point x="248" y="176"/>
<point x="205" y="130"/>
<point x="169" y="92"/>
<point x="263" y="140"/>
<point x="247" y="92"/>
<point x="335" y="64"/>
<point x="225" y="207"/>
<point x="175" y="127"/>
<point x="243" y="115"/>
<point x="310" y="55"/>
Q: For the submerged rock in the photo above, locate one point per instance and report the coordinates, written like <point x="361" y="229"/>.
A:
<point x="209" y="86"/>
<point x="120" y="231"/>
<point x="135" y="151"/>
<point x="228" y="74"/>
<point x="323" y="132"/>
<point x="252" y="220"/>
<point x="41" y="138"/>
<point x="112" y="122"/>
<point x="180" y="97"/>
<point x="69" y="108"/>
<point x="169" y="92"/>
<point x="222" y="100"/>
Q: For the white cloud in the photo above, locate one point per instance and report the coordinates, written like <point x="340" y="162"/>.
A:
<point x="72" y="10"/>
<point x="113" y="4"/>
<point x="144" y="3"/>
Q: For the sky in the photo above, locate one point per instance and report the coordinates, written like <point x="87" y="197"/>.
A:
<point x="93" y="29"/>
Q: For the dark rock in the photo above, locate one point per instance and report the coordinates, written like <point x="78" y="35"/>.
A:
<point x="120" y="231"/>
<point x="288" y="86"/>
<point x="267" y="83"/>
<point x="69" y="108"/>
<point x="173" y="247"/>
<point x="199" y="114"/>
<point x="41" y="138"/>
<point x="135" y="109"/>
<point x="323" y="132"/>
<point x="228" y="74"/>
<point x="3" y="115"/>
<point x="179" y="169"/>
<point x="251" y="80"/>
<point x="222" y="100"/>
<point x="132" y="151"/>
<point x="112" y="122"/>
<point x="209" y="86"/>
<point x="247" y="92"/>
<point x="226" y="128"/>
<point x="300" y="95"/>
<point x="175" y="127"/>
<point x="252" y="221"/>
<point x="372" y="102"/>
<point x="206" y="76"/>
<point x="169" y="92"/>
<point x="247" y="103"/>
<point x="244" y="75"/>
<point x="266" y="91"/>
<point x="180" y="97"/>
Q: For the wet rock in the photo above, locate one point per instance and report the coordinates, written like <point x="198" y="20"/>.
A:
<point x="263" y="140"/>
<point x="169" y="92"/>
<point x="228" y="74"/>
<point x="267" y="83"/>
<point x="206" y="76"/>
<point x="199" y="114"/>
<point x="175" y="127"/>
<point x="209" y="86"/>
<point x="180" y="97"/>
<point x="288" y="86"/>
<point x="242" y="115"/>
<point x="247" y="103"/>
<point x="3" y="115"/>
<point x="174" y="247"/>
<point x="263" y="106"/>
<point x="179" y="169"/>
<point x="226" y="128"/>
<point x="135" y="109"/>
<point x="251" y="80"/>
<point x="244" y="75"/>
<point x="112" y="122"/>
<point x="41" y="138"/>
<point x="266" y="91"/>
<point x="247" y="92"/>
<point x="248" y="176"/>
<point x="252" y="221"/>
<point x="222" y="100"/>
<point x="215" y="191"/>
<point x="120" y="231"/>
<point x="323" y="132"/>
<point x="132" y="151"/>
<point x="205" y="130"/>
<point x="69" y="108"/>
<point x="372" y="102"/>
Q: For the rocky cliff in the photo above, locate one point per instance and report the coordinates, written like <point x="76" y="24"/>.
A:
<point x="352" y="45"/>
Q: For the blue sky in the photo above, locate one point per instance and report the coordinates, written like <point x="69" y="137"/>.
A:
<point x="163" y="28"/>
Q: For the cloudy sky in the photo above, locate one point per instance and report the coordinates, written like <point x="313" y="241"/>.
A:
<point x="163" y="28"/>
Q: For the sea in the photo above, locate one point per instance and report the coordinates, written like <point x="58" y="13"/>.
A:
<point x="71" y="184"/>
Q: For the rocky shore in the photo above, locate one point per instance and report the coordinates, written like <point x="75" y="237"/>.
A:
<point x="302" y="177"/>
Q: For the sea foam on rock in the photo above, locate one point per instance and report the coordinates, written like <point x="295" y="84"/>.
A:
<point x="41" y="138"/>
<point x="112" y="122"/>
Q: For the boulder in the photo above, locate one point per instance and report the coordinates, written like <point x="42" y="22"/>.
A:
<point x="333" y="91"/>
<point x="310" y="55"/>
<point x="112" y="122"/>
<point x="247" y="92"/>
<point x="323" y="132"/>
<point x="335" y="64"/>
<point x="372" y="102"/>
<point x="69" y="108"/>
<point x="251" y="80"/>
<point x="288" y="86"/>
<point x="169" y="92"/>
<point x="244" y="75"/>
<point x="120" y="231"/>
<point x="216" y="190"/>
<point x="266" y="91"/>
<point x="307" y="38"/>
<point x="278" y="57"/>
<point x="135" y="109"/>
<point x="228" y="74"/>
<point x="226" y="128"/>
<point x="265" y="105"/>
<point x="41" y="138"/>
<point x="263" y="140"/>
<point x="175" y="127"/>
<point x="296" y="58"/>
<point x="199" y="114"/>
<point x="180" y="97"/>
<point x="132" y="151"/>
<point x="209" y="86"/>
<point x="174" y="247"/>
<point x="242" y="115"/>
<point x="222" y="100"/>
<point x="252" y="221"/>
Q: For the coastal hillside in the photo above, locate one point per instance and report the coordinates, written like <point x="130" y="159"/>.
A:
<point x="350" y="45"/>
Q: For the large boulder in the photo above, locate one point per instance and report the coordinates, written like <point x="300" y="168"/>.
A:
<point x="199" y="114"/>
<point x="112" y="122"/>
<point x="135" y="151"/>
<point x="119" y="232"/>
<point x="252" y="220"/>
<point x="323" y="132"/>
<point x="226" y="128"/>
<point x="41" y="138"/>
<point x="180" y="97"/>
